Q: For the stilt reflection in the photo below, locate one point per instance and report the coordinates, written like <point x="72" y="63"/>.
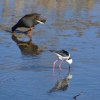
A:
<point x="62" y="84"/>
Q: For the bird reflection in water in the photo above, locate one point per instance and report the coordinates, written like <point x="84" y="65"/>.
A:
<point x="26" y="47"/>
<point x="63" y="84"/>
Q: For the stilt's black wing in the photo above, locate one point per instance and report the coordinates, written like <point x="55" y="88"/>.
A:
<point x="65" y="52"/>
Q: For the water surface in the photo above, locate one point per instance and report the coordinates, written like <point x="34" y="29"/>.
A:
<point x="71" y="25"/>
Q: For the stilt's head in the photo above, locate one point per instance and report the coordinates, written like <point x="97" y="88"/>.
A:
<point x="69" y="61"/>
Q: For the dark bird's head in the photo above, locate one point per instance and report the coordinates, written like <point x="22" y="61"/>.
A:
<point x="40" y="19"/>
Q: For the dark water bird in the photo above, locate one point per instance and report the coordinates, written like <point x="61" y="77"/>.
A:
<point x="62" y="55"/>
<point x="63" y="84"/>
<point x="29" y="21"/>
<point x="26" y="47"/>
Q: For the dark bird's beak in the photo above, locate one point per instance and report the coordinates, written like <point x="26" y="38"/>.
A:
<point x="41" y="19"/>
<point x="40" y="22"/>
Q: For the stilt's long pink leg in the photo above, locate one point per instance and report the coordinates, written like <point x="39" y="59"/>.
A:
<point x="60" y="65"/>
<point x="54" y="77"/>
<point x="54" y="65"/>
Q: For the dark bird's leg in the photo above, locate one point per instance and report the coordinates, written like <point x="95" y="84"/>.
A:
<point x="60" y="65"/>
<point x="28" y="30"/>
<point x="30" y="34"/>
<point x="54" y="65"/>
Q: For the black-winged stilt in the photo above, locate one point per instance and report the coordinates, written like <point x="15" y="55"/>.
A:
<point x="62" y="55"/>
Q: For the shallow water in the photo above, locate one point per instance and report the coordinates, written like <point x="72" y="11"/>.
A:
<point x="72" y="25"/>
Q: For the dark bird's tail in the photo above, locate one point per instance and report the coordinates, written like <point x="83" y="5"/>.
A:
<point x="14" y="27"/>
